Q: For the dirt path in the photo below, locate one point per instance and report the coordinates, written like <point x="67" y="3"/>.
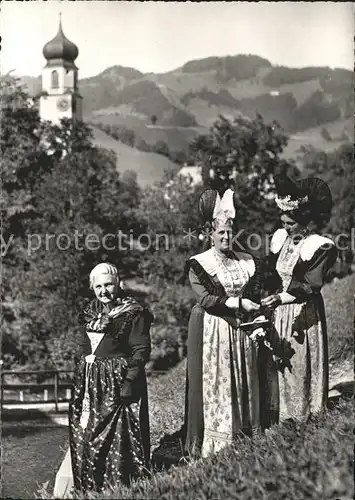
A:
<point x="32" y="452"/>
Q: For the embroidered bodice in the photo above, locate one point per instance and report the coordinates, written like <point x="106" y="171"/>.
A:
<point x="288" y="257"/>
<point x="231" y="274"/>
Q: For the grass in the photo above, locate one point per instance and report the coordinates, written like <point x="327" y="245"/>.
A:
<point x="149" y="167"/>
<point x="313" y="138"/>
<point x="339" y="307"/>
<point x="178" y="138"/>
<point x="276" y="466"/>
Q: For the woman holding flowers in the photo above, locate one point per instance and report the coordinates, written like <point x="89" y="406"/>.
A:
<point x="300" y="258"/>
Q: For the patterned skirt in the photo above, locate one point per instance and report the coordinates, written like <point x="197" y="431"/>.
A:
<point x="112" y="445"/>
<point x="303" y="387"/>
<point x="222" y="394"/>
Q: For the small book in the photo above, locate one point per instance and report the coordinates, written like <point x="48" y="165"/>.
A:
<point x="255" y="323"/>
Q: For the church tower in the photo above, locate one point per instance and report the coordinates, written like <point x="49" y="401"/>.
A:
<point x="60" y="96"/>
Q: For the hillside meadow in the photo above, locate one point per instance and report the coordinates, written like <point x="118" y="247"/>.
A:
<point x="313" y="137"/>
<point x="149" y="167"/>
<point x="177" y="138"/>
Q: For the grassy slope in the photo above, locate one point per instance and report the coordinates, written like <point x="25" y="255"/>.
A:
<point x="179" y="138"/>
<point x="278" y="466"/>
<point x="148" y="166"/>
<point x="339" y="298"/>
<point x="313" y="137"/>
<point x="182" y="83"/>
<point x="175" y="84"/>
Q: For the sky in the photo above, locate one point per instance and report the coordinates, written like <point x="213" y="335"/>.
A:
<point x="161" y="36"/>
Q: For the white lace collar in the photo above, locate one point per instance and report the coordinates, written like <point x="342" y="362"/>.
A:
<point x="311" y="244"/>
<point x="208" y="261"/>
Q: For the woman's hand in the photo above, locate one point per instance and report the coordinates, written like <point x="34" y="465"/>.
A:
<point x="272" y="301"/>
<point x="233" y="303"/>
<point x="248" y="305"/>
<point x="257" y="334"/>
<point x="126" y="395"/>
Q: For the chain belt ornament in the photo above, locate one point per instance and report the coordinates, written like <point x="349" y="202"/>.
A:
<point x="287" y="260"/>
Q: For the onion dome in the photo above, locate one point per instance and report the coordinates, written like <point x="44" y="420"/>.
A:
<point x="60" y="48"/>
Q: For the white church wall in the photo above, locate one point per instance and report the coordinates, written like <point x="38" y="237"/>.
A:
<point x="48" y="107"/>
<point x="68" y="78"/>
<point x="47" y="80"/>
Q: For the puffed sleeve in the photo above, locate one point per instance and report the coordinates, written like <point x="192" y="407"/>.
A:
<point x="271" y="281"/>
<point x="311" y="277"/>
<point x="213" y="304"/>
<point x="253" y="289"/>
<point x="139" y="341"/>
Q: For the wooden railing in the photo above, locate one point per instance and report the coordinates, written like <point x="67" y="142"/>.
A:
<point x="56" y="385"/>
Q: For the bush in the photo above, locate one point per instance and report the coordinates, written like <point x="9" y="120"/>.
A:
<point x="171" y="306"/>
<point x="165" y="347"/>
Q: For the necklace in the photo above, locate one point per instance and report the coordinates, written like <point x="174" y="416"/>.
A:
<point x="220" y="255"/>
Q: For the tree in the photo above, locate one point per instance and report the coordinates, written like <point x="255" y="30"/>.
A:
<point x="161" y="148"/>
<point x="167" y="212"/>
<point x="61" y="197"/>
<point x="336" y="168"/>
<point x="243" y="154"/>
<point x="23" y="162"/>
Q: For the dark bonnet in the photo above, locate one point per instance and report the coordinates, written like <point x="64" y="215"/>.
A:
<point x="319" y="205"/>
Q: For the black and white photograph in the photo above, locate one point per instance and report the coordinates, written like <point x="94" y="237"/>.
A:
<point x="177" y="250"/>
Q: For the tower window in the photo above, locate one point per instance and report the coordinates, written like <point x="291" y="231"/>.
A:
<point x="55" y="79"/>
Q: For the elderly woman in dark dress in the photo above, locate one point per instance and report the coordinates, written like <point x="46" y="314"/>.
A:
<point x="299" y="260"/>
<point x="222" y="393"/>
<point x="108" y="413"/>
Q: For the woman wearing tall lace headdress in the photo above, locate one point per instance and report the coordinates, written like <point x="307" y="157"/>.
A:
<point x="222" y="393"/>
<point x="300" y="258"/>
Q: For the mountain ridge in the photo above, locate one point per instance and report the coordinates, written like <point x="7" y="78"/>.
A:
<point x="173" y="107"/>
<point x="196" y="92"/>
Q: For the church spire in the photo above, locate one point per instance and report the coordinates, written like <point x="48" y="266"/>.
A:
<point x="60" y="48"/>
